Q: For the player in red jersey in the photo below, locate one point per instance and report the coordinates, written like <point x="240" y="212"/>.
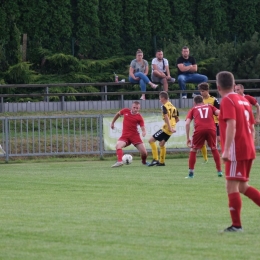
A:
<point x="236" y="123"/>
<point x="239" y="89"/>
<point x="130" y="134"/>
<point x="204" y="130"/>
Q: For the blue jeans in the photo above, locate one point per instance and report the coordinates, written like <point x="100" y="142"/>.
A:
<point x="190" y="78"/>
<point x="142" y="82"/>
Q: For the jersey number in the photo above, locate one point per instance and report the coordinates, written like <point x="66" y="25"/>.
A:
<point x="204" y="112"/>
<point x="172" y="113"/>
<point x="247" y="115"/>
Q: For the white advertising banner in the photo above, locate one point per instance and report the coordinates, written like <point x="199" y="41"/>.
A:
<point x="152" y="124"/>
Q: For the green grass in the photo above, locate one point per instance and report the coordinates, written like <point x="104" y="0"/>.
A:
<point x="88" y="210"/>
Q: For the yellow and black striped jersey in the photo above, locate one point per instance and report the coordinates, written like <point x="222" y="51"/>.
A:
<point x="169" y="109"/>
<point x="214" y="102"/>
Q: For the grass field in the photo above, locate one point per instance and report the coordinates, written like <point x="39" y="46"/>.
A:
<point x="88" y="210"/>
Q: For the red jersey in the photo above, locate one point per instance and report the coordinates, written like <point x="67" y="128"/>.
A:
<point x="251" y="99"/>
<point x="203" y="117"/>
<point x="130" y="122"/>
<point x="237" y="107"/>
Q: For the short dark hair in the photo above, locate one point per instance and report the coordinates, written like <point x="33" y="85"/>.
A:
<point x="241" y="86"/>
<point x="198" y="99"/>
<point x="203" y="86"/>
<point x="158" y="50"/>
<point x="164" y="94"/>
<point x="225" y="80"/>
<point x="185" y="47"/>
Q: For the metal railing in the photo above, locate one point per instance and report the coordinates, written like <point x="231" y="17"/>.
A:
<point x="59" y="135"/>
<point x="102" y="104"/>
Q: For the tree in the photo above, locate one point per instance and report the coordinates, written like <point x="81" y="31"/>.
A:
<point x="211" y="19"/>
<point x="184" y="15"/>
<point x="110" y="16"/>
<point x="161" y="22"/>
<point x="137" y="34"/>
<point x="87" y="28"/>
<point x="243" y="18"/>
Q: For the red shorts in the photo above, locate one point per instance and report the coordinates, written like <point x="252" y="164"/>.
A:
<point x="238" y="170"/>
<point x="199" y="138"/>
<point x="135" y="139"/>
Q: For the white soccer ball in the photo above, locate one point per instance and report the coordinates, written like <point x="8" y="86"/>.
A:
<point x="127" y="159"/>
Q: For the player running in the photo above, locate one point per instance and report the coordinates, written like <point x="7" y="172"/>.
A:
<point x="208" y="99"/>
<point x="204" y="130"/>
<point x="130" y="135"/>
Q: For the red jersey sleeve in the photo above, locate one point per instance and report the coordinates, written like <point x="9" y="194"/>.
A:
<point x="190" y="114"/>
<point x="251" y="99"/>
<point x="141" y="121"/>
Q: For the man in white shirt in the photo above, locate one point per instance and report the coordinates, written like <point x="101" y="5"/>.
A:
<point x="160" y="70"/>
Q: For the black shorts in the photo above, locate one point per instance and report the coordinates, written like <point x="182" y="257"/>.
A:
<point x="160" y="135"/>
<point x="217" y="129"/>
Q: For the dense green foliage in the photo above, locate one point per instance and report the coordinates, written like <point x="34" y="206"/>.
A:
<point x="87" y="41"/>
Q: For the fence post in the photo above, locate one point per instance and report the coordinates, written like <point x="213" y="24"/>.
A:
<point x="121" y="101"/>
<point x="101" y="137"/>
<point x="2" y="107"/>
<point x="47" y="92"/>
<point x="6" y="140"/>
<point x="62" y="103"/>
<point x="104" y="89"/>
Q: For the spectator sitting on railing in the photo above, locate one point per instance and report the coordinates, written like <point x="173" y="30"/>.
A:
<point x="138" y="73"/>
<point x="187" y="71"/>
<point x="160" y="70"/>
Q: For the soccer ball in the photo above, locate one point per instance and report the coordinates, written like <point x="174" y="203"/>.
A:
<point x="127" y="158"/>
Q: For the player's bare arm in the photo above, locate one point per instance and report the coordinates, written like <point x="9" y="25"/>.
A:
<point x="217" y="112"/>
<point x="253" y="131"/>
<point x="257" y="117"/>
<point x="143" y="131"/>
<point x="230" y="136"/>
<point x="167" y="121"/>
<point x="187" y="126"/>
<point x="114" y="120"/>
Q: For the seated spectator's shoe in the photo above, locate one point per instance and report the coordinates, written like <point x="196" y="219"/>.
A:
<point x="160" y="164"/>
<point x="233" y="229"/>
<point x="117" y="164"/>
<point x="220" y="174"/>
<point x="184" y="97"/>
<point x="142" y="98"/>
<point x="172" y="80"/>
<point x="194" y="95"/>
<point x="154" y="162"/>
<point x="154" y="86"/>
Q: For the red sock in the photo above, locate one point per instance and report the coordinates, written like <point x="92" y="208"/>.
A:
<point x="119" y="153"/>
<point x="192" y="160"/>
<point x="144" y="157"/>
<point x="216" y="159"/>
<point x="235" y="205"/>
<point x="253" y="194"/>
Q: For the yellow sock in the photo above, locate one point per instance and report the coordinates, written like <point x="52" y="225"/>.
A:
<point x="162" y="154"/>
<point x="204" y="152"/>
<point x="154" y="150"/>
